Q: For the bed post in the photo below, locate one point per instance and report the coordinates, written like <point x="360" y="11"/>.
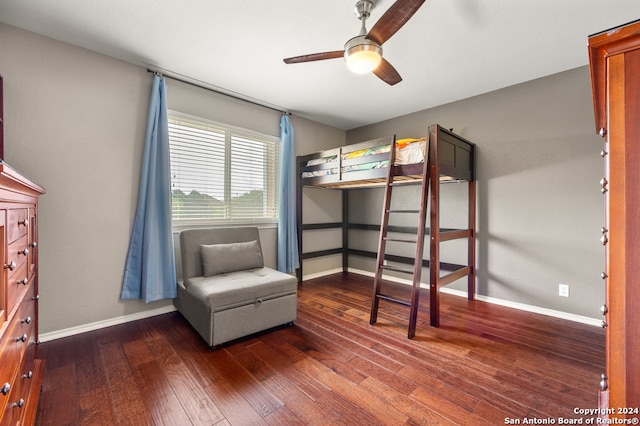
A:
<point x="471" y="279"/>
<point x="299" y="215"/>
<point x="434" y="228"/>
<point x="345" y="230"/>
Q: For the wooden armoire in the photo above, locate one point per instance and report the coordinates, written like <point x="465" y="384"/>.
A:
<point x="615" y="76"/>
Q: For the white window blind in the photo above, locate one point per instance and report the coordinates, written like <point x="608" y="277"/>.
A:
<point x="221" y="174"/>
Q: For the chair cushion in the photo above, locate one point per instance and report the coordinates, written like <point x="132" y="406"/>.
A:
<point x="232" y="257"/>
<point x="239" y="288"/>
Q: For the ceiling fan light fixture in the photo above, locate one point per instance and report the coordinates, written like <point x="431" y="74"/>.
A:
<point x="362" y="55"/>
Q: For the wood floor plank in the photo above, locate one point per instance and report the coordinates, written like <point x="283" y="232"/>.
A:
<point x="94" y="406"/>
<point x="447" y="409"/>
<point x="484" y="364"/>
<point x="416" y="412"/>
<point x="124" y="393"/>
<point x="278" y="354"/>
<point x="236" y="409"/>
<point x="349" y="391"/>
<point x="159" y="397"/>
<point x="297" y="404"/>
<point x="195" y="402"/>
<point x="59" y="406"/>
<point x="242" y="381"/>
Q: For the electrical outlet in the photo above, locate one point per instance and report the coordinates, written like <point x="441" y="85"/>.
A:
<point x="563" y="290"/>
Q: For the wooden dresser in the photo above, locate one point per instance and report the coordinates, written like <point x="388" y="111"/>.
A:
<point x="20" y="369"/>
<point x="615" y="76"/>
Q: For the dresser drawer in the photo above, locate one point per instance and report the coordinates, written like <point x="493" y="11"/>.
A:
<point x="9" y="351"/>
<point x="18" y="370"/>
<point x="16" y="254"/>
<point x="9" y="369"/>
<point x="16" y="284"/>
<point x="27" y="374"/>
<point x="26" y="316"/>
<point x="10" y="404"/>
<point x="17" y="223"/>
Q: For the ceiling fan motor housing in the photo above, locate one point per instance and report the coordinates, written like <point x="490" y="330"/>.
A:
<point x="363" y="9"/>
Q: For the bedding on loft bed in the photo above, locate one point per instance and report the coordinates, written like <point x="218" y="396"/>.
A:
<point x="366" y="163"/>
<point x="408" y="151"/>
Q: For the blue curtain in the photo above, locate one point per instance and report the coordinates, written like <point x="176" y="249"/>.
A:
<point x="288" y="260"/>
<point x="150" y="271"/>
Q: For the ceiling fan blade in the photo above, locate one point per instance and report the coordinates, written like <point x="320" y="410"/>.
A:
<point x="393" y="19"/>
<point x="314" y="57"/>
<point x="387" y="73"/>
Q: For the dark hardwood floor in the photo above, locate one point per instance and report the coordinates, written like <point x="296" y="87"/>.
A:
<point x="486" y="364"/>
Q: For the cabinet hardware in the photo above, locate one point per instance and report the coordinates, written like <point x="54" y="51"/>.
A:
<point x="603" y="183"/>
<point x="604" y="382"/>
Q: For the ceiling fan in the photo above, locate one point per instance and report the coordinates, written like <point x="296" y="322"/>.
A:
<point x="363" y="53"/>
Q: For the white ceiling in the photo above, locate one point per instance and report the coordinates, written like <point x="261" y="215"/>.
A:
<point x="449" y="50"/>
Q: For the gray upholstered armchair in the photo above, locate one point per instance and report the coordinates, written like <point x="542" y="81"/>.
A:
<point x="226" y="292"/>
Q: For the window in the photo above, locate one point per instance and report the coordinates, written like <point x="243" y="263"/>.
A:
<point x="221" y="174"/>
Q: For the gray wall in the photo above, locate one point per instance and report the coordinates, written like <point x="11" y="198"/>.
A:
<point x="75" y="123"/>
<point x="539" y="205"/>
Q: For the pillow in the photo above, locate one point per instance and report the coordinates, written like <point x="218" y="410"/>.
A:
<point x="222" y="258"/>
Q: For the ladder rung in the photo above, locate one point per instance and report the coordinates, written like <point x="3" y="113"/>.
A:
<point x="447" y="279"/>
<point x="454" y="234"/>
<point x="393" y="299"/>
<point x="403" y="211"/>
<point x="400" y="240"/>
<point x="397" y="269"/>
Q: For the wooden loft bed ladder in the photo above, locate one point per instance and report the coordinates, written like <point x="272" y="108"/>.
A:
<point x="418" y="242"/>
<point x="430" y="186"/>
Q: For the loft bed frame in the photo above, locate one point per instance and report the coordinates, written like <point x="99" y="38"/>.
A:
<point x="452" y="159"/>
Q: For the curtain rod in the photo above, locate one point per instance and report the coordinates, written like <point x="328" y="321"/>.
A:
<point x="220" y="92"/>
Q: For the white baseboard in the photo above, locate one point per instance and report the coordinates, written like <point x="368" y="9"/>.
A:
<point x="515" y="305"/>
<point x="46" y="337"/>
<point x="322" y="274"/>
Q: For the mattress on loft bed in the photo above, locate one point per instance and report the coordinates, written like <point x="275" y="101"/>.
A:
<point x="408" y="151"/>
